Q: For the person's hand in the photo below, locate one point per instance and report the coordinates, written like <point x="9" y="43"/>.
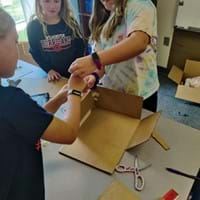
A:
<point x="61" y="96"/>
<point x="82" y="66"/>
<point x="76" y="83"/>
<point x="90" y="81"/>
<point x="53" y="75"/>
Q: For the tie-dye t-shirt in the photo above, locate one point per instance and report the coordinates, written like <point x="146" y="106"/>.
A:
<point x="138" y="75"/>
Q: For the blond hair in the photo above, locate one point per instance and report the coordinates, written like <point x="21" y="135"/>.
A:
<point x="102" y="22"/>
<point x="65" y="13"/>
<point x="6" y="23"/>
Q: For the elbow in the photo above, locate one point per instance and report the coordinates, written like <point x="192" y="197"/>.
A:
<point x="71" y="140"/>
<point x="73" y="136"/>
<point x="141" y="41"/>
<point x="144" y="44"/>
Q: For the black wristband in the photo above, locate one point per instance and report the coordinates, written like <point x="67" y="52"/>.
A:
<point x="74" y="92"/>
<point x="96" y="81"/>
<point x="96" y="60"/>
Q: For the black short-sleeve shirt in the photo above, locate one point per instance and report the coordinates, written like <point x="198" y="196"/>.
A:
<point x="22" y="123"/>
<point x="58" y="49"/>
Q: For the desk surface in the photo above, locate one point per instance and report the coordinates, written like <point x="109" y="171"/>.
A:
<point x="66" y="178"/>
<point x="25" y="70"/>
<point x="69" y="179"/>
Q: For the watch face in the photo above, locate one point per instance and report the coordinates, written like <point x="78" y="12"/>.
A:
<point x="95" y="56"/>
<point x="74" y="92"/>
<point x="96" y="60"/>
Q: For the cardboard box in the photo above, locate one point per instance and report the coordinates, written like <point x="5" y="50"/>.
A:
<point x="113" y="125"/>
<point x="191" y="69"/>
<point x="118" y="191"/>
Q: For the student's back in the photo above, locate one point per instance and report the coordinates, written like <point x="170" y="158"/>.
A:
<point x="21" y="157"/>
<point x="23" y="123"/>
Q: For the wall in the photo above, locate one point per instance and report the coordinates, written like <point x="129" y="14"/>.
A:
<point x="185" y="45"/>
<point x="188" y="13"/>
<point x="167" y="10"/>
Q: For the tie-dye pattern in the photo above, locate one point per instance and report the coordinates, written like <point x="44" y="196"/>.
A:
<point x="138" y="75"/>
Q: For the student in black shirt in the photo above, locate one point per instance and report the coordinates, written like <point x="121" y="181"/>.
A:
<point x="23" y="123"/>
<point x="54" y="38"/>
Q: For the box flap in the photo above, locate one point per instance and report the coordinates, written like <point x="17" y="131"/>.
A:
<point x="144" y="130"/>
<point x="39" y="86"/>
<point x="118" y="191"/>
<point x="188" y="93"/>
<point x="192" y="68"/>
<point x="119" y="102"/>
<point x="103" y="138"/>
<point x="176" y="74"/>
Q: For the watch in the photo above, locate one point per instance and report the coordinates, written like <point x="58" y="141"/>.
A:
<point x="96" y="60"/>
<point x="96" y="80"/>
<point x="74" y="92"/>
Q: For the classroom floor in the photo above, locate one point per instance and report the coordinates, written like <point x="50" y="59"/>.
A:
<point x="182" y="111"/>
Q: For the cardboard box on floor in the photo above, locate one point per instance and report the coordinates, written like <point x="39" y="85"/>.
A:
<point x="113" y="125"/>
<point x="192" y="69"/>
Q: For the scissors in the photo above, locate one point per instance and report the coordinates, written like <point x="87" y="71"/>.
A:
<point x="139" y="179"/>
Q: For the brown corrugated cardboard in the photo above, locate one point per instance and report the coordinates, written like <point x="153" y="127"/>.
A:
<point x="188" y="93"/>
<point x="118" y="191"/>
<point x="144" y="130"/>
<point x="176" y="74"/>
<point x="111" y="125"/>
<point x="192" y="69"/>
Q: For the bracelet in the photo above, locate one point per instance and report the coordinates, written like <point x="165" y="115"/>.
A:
<point x="96" y="81"/>
<point x="74" y="92"/>
<point x="96" y="60"/>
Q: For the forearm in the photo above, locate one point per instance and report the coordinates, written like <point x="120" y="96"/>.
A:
<point x="52" y="105"/>
<point x="100" y="72"/>
<point x="128" y="48"/>
<point x="67" y="129"/>
<point x="40" y="62"/>
<point x="73" y="115"/>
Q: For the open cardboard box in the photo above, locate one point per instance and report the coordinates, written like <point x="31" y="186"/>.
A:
<point x="191" y="69"/>
<point x="113" y="125"/>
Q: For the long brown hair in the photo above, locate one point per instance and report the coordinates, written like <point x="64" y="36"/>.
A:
<point x="101" y="17"/>
<point x="65" y="13"/>
<point x="6" y="23"/>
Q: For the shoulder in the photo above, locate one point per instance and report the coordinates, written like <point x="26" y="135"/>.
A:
<point x="139" y="4"/>
<point x="16" y="101"/>
<point x="10" y="94"/>
<point x="140" y="9"/>
<point x="34" y="24"/>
